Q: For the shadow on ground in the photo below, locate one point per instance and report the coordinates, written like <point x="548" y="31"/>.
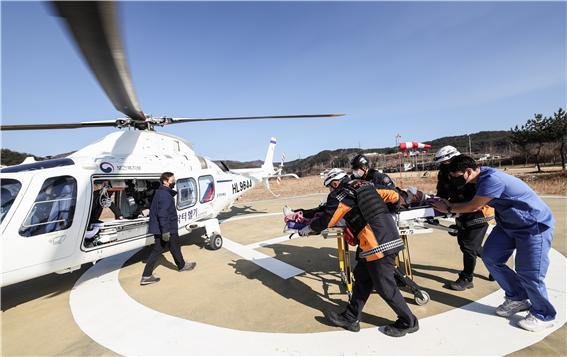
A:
<point x="237" y="211"/>
<point x="52" y="285"/>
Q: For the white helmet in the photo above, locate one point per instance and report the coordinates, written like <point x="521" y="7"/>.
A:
<point x="332" y="175"/>
<point x="445" y="153"/>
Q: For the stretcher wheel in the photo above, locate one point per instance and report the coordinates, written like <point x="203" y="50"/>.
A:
<point x="454" y="230"/>
<point x="215" y="241"/>
<point x="421" y="301"/>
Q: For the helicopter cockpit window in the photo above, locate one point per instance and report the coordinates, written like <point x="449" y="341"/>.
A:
<point x="206" y="188"/>
<point x="186" y="192"/>
<point x="10" y="189"/>
<point x="54" y="207"/>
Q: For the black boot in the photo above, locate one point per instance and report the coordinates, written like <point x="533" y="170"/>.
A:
<point x="341" y="321"/>
<point x="461" y="284"/>
<point x="399" y="329"/>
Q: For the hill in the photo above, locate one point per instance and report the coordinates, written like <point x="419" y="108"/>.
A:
<point x="484" y="142"/>
<point x="493" y="142"/>
<point x="9" y="157"/>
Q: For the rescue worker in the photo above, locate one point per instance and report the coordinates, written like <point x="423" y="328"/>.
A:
<point x="524" y="223"/>
<point x="361" y="170"/>
<point x="163" y="225"/>
<point x="371" y="223"/>
<point x="471" y="226"/>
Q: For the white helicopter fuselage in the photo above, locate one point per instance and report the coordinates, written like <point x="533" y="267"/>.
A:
<point x="135" y="158"/>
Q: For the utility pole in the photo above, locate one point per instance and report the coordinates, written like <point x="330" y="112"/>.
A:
<point x="400" y="154"/>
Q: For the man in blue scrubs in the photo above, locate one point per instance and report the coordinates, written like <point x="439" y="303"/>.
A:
<point x="523" y="223"/>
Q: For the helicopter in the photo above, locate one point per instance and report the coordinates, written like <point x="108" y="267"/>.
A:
<point x="48" y="217"/>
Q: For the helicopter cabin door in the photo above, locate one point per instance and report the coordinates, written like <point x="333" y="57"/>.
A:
<point x="44" y="228"/>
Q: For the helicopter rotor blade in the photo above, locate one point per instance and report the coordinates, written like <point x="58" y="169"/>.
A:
<point x="150" y="122"/>
<point x="96" y="31"/>
<point x="86" y="124"/>
<point x="188" y="120"/>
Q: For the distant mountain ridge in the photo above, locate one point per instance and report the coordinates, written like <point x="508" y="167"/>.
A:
<point x="494" y="142"/>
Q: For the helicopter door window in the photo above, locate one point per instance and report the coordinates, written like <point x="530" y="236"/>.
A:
<point x="187" y="193"/>
<point x="10" y="189"/>
<point x="54" y="207"/>
<point x="206" y="188"/>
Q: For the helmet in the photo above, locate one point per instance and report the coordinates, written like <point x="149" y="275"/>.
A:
<point x="445" y="153"/>
<point x="332" y="175"/>
<point x="359" y="161"/>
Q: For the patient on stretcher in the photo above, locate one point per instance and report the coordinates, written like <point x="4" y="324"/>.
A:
<point x="295" y="220"/>
<point x="412" y="197"/>
<point x="396" y="200"/>
<point x="299" y="218"/>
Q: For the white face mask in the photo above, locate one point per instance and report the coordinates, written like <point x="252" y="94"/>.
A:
<point x="358" y="173"/>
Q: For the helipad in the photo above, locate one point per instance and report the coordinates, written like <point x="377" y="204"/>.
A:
<point x="235" y="303"/>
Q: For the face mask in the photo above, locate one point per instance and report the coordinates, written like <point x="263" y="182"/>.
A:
<point x="172" y="185"/>
<point x="458" y="181"/>
<point x="358" y="173"/>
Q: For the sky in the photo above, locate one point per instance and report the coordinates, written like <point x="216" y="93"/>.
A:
<point x="422" y="70"/>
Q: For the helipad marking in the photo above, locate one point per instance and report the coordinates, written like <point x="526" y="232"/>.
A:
<point x="249" y="216"/>
<point x="281" y="269"/>
<point x="106" y="313"/>
<point x="267" y="243"/>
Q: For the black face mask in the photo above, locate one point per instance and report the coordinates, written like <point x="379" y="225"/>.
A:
<point x="172" y="185"/>
<point x="458" y="181"/>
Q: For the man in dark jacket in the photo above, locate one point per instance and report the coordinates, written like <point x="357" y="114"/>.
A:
<point x="163" y="225"/>
<point x="361" y="170"/>
<point x="471" y="226"/>
<point x="366" y="215"/>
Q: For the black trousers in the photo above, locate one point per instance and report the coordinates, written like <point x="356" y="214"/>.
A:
<point x="378" y="274"/>
<point x="470" y="242"/>
<point x="159" y="247"/>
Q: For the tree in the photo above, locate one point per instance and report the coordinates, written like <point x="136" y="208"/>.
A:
<point x="540" y="131"/>
<point x="521" y="138"/>
<point x="559" y="132"/>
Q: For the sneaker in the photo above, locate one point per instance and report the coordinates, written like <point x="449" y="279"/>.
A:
<point x="146" y="280"/>
<point x="397" y="329"/>
<point x="341" y="321"/>
<point x="510" y="307"/>
<point x="532" y="323"/>
<point x="188" y="266"/>
<point x="287" y="211"/>
<point x="461" y="284"/>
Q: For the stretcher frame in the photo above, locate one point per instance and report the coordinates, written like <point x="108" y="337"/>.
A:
<point x="419" y="220"/>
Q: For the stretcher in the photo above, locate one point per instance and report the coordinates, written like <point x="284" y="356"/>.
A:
<point x="419" y="220"/>
<point x="116" y="230"/>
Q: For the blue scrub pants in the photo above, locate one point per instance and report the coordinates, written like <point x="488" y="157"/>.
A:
<point x="531" y="263"/>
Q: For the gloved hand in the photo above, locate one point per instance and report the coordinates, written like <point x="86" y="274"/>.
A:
<point x="305" y="231"/>
<point x="165" y="236"/>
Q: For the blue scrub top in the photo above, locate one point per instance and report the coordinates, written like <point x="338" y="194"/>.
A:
<point x="517" y="206"/>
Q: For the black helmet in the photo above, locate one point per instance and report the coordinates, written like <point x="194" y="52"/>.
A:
<point x="359" y="161"/>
